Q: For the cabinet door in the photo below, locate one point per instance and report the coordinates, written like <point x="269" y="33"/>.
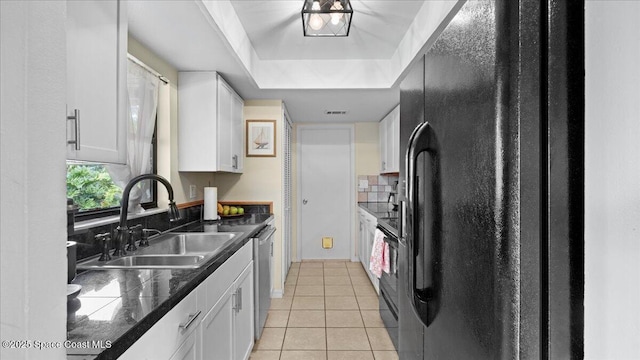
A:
<point x="237" y="117"/>
<point x="225" y="127"/>
<point x="188" y="350"/>
<point x="364" y="257"/>
<point x="371" y="229"/>
<point x="382" y="129"/>
<point x="216" y="341"/>
<point x="244" y="314"/>
<point x="96" y="81"/>
<point x="393" y="141"/>
<point x="197" y="121"/>
<point x="362" y="250"/>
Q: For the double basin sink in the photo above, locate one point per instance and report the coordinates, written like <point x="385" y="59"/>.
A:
<point x="169" y="251"/>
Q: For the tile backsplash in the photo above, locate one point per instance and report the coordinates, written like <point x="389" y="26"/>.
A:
<point x="375" y="188"/>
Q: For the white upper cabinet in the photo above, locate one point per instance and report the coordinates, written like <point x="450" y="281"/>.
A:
<point x="210" y="119"/>
<point x="96" y="81"/>
<point x="390" y="142"/>
<point x="237" y="132"/>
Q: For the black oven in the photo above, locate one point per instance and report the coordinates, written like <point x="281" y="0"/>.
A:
<point x="389" y="289"/>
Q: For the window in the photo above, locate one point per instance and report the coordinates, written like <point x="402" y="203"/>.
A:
<point x="92" y="189"/>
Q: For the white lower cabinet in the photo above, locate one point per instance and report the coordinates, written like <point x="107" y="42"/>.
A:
<point x="215" y="321"/>
<point x="216" y="329"/>
<point x="188" y="350"/>
<point x="367" y="225"/>
<point x="362" y="239"/>
<point x="227" y="329"/>
<point x="243" y="332"/>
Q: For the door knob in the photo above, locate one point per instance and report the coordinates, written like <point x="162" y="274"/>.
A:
<point x="304" y="201"/>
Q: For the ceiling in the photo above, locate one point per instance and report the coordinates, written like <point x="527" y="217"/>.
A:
<point x="275" y="30"/>
<point x="259" y="48"/>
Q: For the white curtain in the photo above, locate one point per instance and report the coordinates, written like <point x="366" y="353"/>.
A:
<point x="142" y="87"/>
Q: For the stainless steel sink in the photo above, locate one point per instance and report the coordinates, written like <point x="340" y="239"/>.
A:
<point x="186" y="243"/>
<point x="169" y="251"/>
<point x="158" y="261"/>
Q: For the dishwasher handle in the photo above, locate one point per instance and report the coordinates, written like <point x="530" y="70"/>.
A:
<point x="265" y="235"/>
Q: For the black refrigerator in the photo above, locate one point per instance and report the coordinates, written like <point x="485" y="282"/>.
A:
<point x="492" y="186"/>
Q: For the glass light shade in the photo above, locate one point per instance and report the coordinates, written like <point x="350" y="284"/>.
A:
<point x="335" y="18"/>
<point x="315" y="21"/>
<point x="328" y="18"/>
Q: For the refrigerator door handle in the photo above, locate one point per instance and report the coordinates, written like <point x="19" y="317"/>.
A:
<point x="419" y="142"/>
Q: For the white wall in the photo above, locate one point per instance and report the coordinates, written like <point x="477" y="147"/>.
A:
<point x="612" y="180"/>
<point x="367" y="145"/>
<point x="33" y="176"/>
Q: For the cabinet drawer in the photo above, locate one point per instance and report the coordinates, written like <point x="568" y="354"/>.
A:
<point x="218" y="282"/>
<point x="162" y="340"/>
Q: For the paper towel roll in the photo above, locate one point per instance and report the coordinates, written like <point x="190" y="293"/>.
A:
<point x="210" y="203"/>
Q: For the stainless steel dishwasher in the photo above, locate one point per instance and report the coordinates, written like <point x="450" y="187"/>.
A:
<point x="262" y="257"/>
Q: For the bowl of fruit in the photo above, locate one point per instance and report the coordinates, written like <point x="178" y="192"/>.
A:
<point x="230" y="210"/>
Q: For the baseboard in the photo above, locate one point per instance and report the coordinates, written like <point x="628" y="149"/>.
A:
<point x="276" y="294"/>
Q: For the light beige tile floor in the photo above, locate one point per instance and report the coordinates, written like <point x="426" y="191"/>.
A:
<point x="329" y="312"/>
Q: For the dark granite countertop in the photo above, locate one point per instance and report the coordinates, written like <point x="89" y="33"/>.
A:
<point x="384" y="213"/>
<point x="116" y="307"/>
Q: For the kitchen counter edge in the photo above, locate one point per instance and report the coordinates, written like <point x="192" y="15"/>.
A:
<point x="381" y="212"/>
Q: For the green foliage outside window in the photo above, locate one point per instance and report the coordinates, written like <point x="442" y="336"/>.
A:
<point x="91" y="187"/>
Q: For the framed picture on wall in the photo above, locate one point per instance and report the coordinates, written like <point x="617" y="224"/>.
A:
<point x="261" y="138"/>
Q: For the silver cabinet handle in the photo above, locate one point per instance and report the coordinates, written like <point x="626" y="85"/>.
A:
<point x="235" y="161"/>
<point x="238" y="300"/>
<point x="304" y="201"/>
<point x="76" y="128"/>
<point x="190" y="319"/>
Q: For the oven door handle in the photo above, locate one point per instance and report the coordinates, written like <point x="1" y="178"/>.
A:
<point x="393" y="255"/>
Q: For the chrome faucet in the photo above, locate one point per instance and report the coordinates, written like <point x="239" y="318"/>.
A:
<point x="123" y="231"/>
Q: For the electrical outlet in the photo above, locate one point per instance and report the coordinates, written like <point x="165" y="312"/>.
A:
<point x="192" y="191"/>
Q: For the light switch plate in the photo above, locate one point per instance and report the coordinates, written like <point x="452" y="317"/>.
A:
<point x="363" y="184"/>
<point x="192" y="191"/>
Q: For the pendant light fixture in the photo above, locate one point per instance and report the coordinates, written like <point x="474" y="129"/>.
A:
<point x="328" y="18"/>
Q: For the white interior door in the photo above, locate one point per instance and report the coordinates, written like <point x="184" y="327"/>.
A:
<point x="325" y="191"/>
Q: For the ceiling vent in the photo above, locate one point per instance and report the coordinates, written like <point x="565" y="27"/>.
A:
<point x="335" y="112"/>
